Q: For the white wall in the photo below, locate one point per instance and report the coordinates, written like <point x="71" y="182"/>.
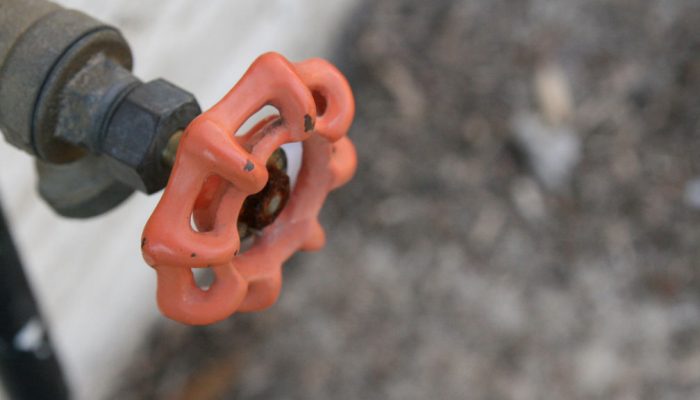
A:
<point x="94" y="288"/>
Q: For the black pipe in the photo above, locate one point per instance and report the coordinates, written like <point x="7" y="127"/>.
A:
<point x="29" y="368"/>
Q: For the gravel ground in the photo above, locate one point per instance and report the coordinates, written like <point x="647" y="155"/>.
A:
<point x="477" y="254"/>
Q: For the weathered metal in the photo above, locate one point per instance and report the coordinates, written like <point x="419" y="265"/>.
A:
<point x="139" y="130"/>
<point x="67" y="92"/>
<point x="82" y="188"/>
<point x="42" y="53"/>
<point x="261" y="209"/>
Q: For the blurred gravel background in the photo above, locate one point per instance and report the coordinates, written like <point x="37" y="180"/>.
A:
<point x="523" y="224"/>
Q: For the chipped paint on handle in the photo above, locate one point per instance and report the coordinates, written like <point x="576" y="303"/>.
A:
<point x="215" y="171"/>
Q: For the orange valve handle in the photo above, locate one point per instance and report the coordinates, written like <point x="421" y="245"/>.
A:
<point x="214" y="171"/>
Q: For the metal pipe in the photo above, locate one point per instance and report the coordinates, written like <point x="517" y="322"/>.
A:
<point x="68" y="97"/>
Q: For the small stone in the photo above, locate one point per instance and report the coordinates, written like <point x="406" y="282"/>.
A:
<point x="691" y="195"/>
<point x="553" y="94"/>
<point x="552" y="152"/>
<point x="528" y="199"/>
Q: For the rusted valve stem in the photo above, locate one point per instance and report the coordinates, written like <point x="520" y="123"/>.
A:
<point x="260" y="209"/>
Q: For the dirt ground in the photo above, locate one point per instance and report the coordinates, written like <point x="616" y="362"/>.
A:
<point x="471" y="257"/>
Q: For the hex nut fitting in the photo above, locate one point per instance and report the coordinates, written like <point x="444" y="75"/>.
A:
<point x="139" y="129"/>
